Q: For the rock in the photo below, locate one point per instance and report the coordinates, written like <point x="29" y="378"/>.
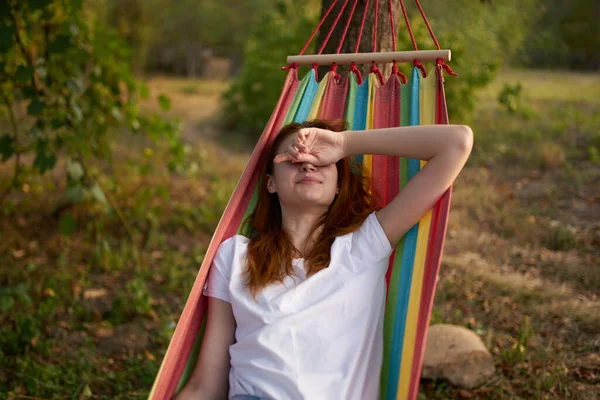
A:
<point x="458" y="355"/>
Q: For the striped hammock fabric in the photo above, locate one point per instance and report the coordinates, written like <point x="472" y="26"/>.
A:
<point x="414" y="264"/>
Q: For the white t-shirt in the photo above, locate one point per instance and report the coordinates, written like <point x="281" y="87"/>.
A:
<point x="315" y="338"/>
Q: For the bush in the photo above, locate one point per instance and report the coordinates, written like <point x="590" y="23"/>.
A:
<point x="481" y="35"/>
<point x="251" y="98"/>
<point x="72" y="75"/>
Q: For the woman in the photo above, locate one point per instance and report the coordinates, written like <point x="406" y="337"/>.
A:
<point x="296" y="311"/>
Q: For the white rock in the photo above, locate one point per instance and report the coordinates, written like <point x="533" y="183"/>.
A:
<point x="458" y="355"/>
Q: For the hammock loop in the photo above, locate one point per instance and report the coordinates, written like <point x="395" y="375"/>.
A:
<point x="336" y="76"/>
<point x="395" y="71"/>
<point x="377" y="72"/>
<point x="418" y="64"/>
<point x="290" y="66"/>
<point x="446" y="67"/>
<point x="357" y="73"/>
<point x="315" y="67"/>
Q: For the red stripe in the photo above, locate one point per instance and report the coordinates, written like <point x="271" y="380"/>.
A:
<point x="191" y="318"/>
<point x="333" y="104"/>
<point x="437" y="234"/>
<point x="386" y="169"/>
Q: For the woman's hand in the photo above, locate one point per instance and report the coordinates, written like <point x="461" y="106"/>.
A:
<point x="315" y="146"/>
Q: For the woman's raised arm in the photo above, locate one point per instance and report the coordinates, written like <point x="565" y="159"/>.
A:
<point x="444" y="147"/>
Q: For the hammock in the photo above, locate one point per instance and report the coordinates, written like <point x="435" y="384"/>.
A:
<point x="414" y="264"/>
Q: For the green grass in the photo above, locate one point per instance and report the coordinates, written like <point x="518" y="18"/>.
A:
<point x="90" y="314"/>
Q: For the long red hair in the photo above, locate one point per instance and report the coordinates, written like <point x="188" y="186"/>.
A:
<point x="270" y="250"/>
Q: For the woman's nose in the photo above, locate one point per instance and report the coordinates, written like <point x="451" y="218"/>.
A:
<point x="308" y="167"/>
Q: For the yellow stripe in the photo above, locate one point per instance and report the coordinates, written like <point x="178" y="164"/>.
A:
<point x="316" y="105"/>
<point x="427" y="115"/>
<point x="368" y="158"/>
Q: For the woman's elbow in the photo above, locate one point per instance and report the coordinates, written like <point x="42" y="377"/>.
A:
<point x="464" y="139"/>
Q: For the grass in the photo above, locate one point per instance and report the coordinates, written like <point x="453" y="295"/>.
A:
<point x="89" y="314"/>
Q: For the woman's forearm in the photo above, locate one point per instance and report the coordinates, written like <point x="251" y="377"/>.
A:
<point x="422" y="142"/>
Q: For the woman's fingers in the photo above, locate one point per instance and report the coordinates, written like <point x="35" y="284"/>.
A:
<point x="283" y="157"/>
<point x="299" y="144"/>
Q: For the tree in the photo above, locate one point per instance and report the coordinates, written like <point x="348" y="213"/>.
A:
<point x="69" y="73"/>
<point x="384" y="30"/>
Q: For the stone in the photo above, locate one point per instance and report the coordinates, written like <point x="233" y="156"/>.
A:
<point x="458" y="355"/>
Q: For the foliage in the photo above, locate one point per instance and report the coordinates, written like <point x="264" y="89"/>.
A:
<point x="251" y="97"/>
<point x="70" y="73"/>
<point x="481" y="36"/>
<point x="510" y="96"/>
<point x="566" y="36"/>
<point x="180" y="35"/>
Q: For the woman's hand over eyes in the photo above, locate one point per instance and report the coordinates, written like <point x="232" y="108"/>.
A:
<point x="316" y="146"/>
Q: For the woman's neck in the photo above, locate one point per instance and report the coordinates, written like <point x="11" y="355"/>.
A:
<point x="298" y="224"/>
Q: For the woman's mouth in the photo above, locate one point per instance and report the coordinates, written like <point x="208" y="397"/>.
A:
<point x="309" y="181"/>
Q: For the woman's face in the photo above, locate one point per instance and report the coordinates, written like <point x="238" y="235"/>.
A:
<point x="302" y="184"/>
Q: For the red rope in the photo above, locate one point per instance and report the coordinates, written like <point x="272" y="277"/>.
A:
<point x="315" y="66"/>
<point x="317" y="28"/>
<point x="347" y="25"/>
<point x="357" y="73"/>
<point x="418" y="64"/>
<point x="291" y="66"/>
<point x="392" y="24"/>
<point x="427" y="23"/>
<point x="333" y="69"/>
<point x="395" y="71"/>
<point x="446" y="67"/>
<point x="439" y="61"/>
<point x="333" y="27"/>
<point x="375" y="26"/>
<point x="377" y="71"/>
<point x="362" y="25"/>
<point x="412" y="37"/>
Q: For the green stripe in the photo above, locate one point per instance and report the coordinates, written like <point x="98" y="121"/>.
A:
<point x="289" y="117"/>
<point x="394" y="287"/>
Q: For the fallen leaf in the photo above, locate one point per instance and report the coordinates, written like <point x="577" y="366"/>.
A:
<point x="18" y="253"/>
<point x="149" y="356"/>
<point x="94" y="293"/>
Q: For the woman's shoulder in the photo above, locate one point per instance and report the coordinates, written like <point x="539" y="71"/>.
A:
<point x="233" y="242"/>
<point x="370" y="238"/>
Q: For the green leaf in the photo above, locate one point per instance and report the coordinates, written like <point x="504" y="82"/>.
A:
<point x="6" y="37"/>
<point x="59" y="44"/>
<point x="67" y="225"/>
<point x="165" y="102"/>
<point x="6" y="303"/>
<point x="44" y="161"/>
<point x="76" y="193"/>
<point x="7" y="146"/>
<point x="29" y="92"/>
<point x="144" y="91"/>
<point x="98" y="194"/>
<point x="24" y="74"/>
<point x="87" y="392"/>
<point x="74" y="170"/>
<point x="75" y="85"/>
<point x="36" y="106"/>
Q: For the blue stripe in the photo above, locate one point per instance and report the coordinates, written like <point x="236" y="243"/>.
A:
<point x="360" y="111"/>
<point x="307" y="99"/>
<point x="408" y="260"/>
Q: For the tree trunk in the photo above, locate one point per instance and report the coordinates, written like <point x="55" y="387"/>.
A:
<point x="384" y="32"/>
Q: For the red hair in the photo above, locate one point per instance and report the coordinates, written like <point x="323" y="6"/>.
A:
<point x="270" y="250"/>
